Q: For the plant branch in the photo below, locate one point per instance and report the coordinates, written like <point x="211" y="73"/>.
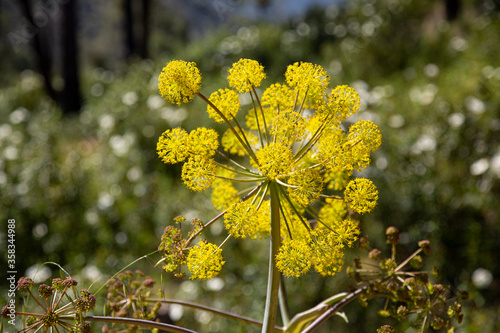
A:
<point x="215" y="311"/>
<point x="190" y="239"/>
<point x="262" y="112"/>
<point x="403" y="264"/>
<point x="300" y="320"/>
<point x="247" y="148"/>
<point x="331" y="311"/>
<point x="140" y="322"/>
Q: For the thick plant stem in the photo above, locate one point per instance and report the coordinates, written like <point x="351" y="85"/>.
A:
<point x="273" y="282"/>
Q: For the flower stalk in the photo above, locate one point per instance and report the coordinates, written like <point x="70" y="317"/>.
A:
<point x="274" y="275"/>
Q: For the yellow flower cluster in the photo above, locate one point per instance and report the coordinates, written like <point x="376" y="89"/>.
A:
<point x="275" y="159"/>
<point x="179" y="81"/>
<point x="293" y="146"/>
<point x="199" y="146"/>
<point x="321" y="248"/>
<point x="310" y="82"/>
<point x="227" y="101"/>
<point x="246" y="74"/>
<point x="244" y="219"/>
<point x="205" y="260"/>
<point x="361" y="195"/>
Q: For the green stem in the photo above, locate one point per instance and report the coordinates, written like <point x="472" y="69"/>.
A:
<point x="262" y="112"/>
<point x="403" y="264"/>
<point x="215" y="311"/>
<point x="243" y="143"/>
<point x="334" y="309"/>
<point x="302" y="319"/>
<point x="242" y="132"/>
<point x="225" y="241"/>
<point x="273" y="282"/>
<point x="193" y="236"/>
<point x="140" y="323"/>
<point x="230" y="160"/>
<point x="283" y="302"/>
<point x="302" y="219"/>
<point x="121" y="270"/>
<point x="257" y="120"/>
<point x="315" y="137"/>
<point x="36" y="299"/>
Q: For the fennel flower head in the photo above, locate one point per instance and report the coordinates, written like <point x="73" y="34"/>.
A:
<point x="290" y="145"/>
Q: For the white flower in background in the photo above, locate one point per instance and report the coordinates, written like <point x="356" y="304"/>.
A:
<point x="120" y="144"/>
<point x="431" y="70"/>
<point x="482" y="278"/>
<point x="479" y="167"/>
<point x="38" y="273"/>
<point x="474" y="105"/>
<point x="495" y="164"/>
<point x="107" y="122"/>
<point x="130" y="98"/>
<point x="155" y="102"/>
<point x="426" y="142"/>
<point x="456" y="119"/>
<point x="19" y="115"/>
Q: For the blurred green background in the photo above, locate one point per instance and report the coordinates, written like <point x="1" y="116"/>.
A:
<point x="80" y="116"/>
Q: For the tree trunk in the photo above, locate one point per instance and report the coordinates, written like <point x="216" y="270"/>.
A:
<point x="71" y="100"/>
<point x="42" y="56"/>
<point x="453" y="8"/>
<point x="145" y="31"/>
<point x="129" y="28"/>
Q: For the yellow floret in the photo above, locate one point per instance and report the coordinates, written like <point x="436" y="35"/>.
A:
<point x="288" y="126"/>
<point x="275" y="159"/>
<point x="179" y="81"/>
<point x="364" y="136"/>
<point x="361" y="195"/>
<point x="198" y="172"/>
<point x="342" y="102"/>
<point x="172" y="146"/>
<point x="203" y="142"/>
<point x="347" y="231"/>
<point x="332" y="211"/>
<point x="244" y="220"/>
<point x="224" y="194"/>
<point x="294" y="257"/>
<point x="205" y="261"/>
<point x="327" y="253"/>
<point x="227" y="102"/>
<point x="309" y="81"/>
<point x="244" y="74"/>
<point x="306" y="186"/>
<point x="278" y="96"/>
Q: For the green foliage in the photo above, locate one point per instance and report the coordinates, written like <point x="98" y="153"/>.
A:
<point x="87" y="188"/>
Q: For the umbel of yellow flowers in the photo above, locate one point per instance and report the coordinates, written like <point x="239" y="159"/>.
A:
<point x="291" y="143"/>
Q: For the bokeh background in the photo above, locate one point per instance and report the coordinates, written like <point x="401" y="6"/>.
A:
<point x="80" y="116"/>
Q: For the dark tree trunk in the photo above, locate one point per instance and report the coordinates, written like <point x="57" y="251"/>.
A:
<point x="129" y="28"/>
<point x="145" y="31"/>
<point x="453" y="8"/>
<point x="136" y="27"/>
<point x="43" y="59"/>
<point x="71" y="100"/>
